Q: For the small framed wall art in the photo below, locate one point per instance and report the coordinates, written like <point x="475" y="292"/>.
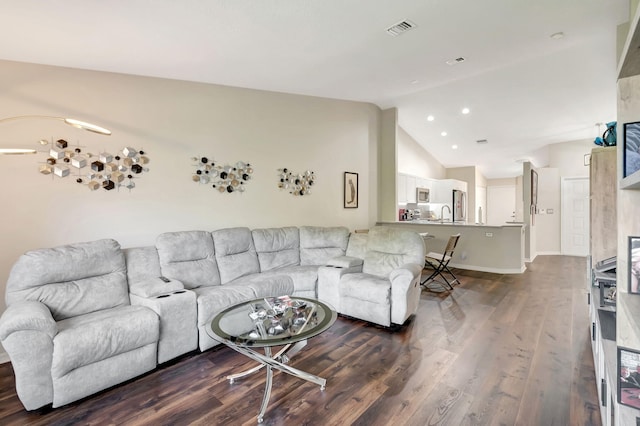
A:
<point x="631" y="151"/>
<point x="629" y="377"/>
<point x="634" y="265"/>
<point x="350" y="190"/>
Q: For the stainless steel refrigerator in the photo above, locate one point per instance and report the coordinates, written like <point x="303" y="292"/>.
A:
<point x="459" y="206"/>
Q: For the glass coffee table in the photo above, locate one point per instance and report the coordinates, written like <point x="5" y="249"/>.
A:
<point x="272" y="321"/>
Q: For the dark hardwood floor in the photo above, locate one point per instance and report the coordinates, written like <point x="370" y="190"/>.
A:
<point x="497" y="350"/>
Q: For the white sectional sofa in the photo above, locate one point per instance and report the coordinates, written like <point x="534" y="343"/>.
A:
<point x="83" y="317"/>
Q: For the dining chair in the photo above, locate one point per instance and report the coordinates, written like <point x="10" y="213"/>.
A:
<point x="439" y="262"/>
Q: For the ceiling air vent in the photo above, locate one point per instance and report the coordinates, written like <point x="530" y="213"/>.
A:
<point x="455" y="61"/>
<point x="400" y="27"/>
<point x="482" y="141"/>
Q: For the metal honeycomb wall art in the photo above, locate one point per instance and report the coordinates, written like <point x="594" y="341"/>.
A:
<point x="297" y="184"/>
<point x="105" y="170"/>
<point x="224" y="178"/>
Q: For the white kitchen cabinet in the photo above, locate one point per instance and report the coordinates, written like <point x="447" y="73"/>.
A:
<point x="411" y="189"/>
<point x="402" y="188"/>
<point x="442" y="192"/>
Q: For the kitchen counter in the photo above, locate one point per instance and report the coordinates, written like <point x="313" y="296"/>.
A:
<point x="437" y="222"/>
<point x="486" y="248"/>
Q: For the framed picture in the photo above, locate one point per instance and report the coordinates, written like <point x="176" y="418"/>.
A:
<point x="629" y="377"/>
<point x="350" y="190"/>
<point x="634" y="265"/>
<point x="534" y="188"/>
<point x="631" y="151"/>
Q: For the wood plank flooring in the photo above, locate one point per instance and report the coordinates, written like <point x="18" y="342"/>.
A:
<point x="497" y="350"/>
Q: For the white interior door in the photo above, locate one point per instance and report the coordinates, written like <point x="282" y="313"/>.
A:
<point x="575" y="216"/>
<point x="501" y="204"/>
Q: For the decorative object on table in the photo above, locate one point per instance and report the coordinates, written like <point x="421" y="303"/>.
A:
<point x="631" y="151"/>
<point x="628" y="377"/>
<point x="350" y="190"/>
<point x="634" y="265"/>
<point x="279" y="316"/>
<point x="609" y="137"/>
<point x="296" y="183"/>
<point x="70" y="121"/>
<point x="223" y="178"/>
<point x="104" y="170"/>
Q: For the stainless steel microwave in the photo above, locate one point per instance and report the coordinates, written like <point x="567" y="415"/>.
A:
<point x="422" y="195"/>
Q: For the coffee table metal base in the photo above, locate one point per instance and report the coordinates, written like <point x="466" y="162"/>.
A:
<point x="277" y="361"/>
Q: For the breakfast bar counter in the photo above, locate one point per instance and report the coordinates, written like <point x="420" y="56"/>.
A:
<point x="498" y="249"/>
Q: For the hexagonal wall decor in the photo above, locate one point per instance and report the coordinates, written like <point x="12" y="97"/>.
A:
<point x="297" y="184"/>
<point x="105" y="170"/>
<point x="223" y="178"/>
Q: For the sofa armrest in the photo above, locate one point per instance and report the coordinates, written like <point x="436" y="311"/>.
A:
<point x="345" y="262"/>
<point x="27" y="316"/>
<point x="329" y="283"/>
<point x="405" y="291"/>
<point x="155" y="286"/>
<point x="405" y="273"/>
<point x="27" y="330"/>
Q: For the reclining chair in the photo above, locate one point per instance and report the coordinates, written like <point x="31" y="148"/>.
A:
<point x="439" y="262"/>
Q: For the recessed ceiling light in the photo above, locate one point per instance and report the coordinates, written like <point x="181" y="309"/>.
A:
<point x="466" y="110"/>
<point x="454" y="146"/>
<point x="430" y="118"/>
<point x="557" y="36"/>
<point x="443" y="134"/>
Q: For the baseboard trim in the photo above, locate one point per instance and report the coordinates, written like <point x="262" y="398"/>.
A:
<point x="492" y="270"/>
<point x="549" y="253"/>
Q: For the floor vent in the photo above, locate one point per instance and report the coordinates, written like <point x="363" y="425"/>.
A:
<point x="400" y="27"/>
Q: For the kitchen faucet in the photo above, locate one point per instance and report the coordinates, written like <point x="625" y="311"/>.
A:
<point x="442" y="212"/>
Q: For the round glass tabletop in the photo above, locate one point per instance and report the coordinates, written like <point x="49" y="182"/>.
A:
<point x="272" y="321"/>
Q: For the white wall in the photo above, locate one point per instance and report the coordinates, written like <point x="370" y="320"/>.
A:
<point x="565" y="160"/>
<point x="568" y="157"/>
<point x="174" y="121"/>
<point x="414" y="160"/>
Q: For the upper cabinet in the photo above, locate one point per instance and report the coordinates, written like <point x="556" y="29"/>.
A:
<point x="440" y="190"/>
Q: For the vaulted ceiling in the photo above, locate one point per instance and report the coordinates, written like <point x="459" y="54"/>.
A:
<point x="524" y="88"/>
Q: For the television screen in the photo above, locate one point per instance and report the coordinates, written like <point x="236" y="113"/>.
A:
<point x="631" y="148"/>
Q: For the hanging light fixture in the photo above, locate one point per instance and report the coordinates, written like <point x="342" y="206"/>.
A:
<point x="70" y="121"/>
<point x="16" y="151"/>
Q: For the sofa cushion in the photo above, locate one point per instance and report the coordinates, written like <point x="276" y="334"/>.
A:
<point x="85" y="339"/>
<point x="319" y="244"/>
<point x="366" y="287"/>
<point x="235" y="253"/>
<point x="212" y="300"/>
<point x="390" y="248"/>
<point x="71" y="280"/>
<point x="357" y="245"/>
<point x="142" y="263"/>
<point x="188" y="256"/>
<point x="277" y="247"/>
<point x="304" y="278"/>
<point x="266" y="284"/>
